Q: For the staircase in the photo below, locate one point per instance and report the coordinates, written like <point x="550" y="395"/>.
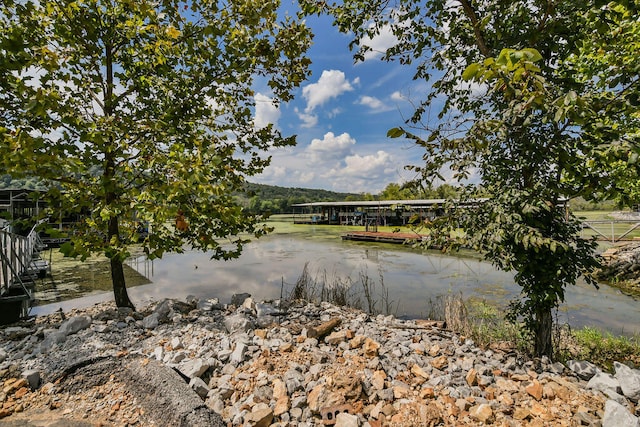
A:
<point x="20" y="267"/>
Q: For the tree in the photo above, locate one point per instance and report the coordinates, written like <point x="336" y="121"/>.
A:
<point x="138" y="112"/>
<point x="394" y="191"/>
<point x="608" y="66"/>
<point x="510" y="120"/>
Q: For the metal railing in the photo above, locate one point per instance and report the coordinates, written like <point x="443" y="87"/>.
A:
<point x="16" y="258"/>
<point x="610" y="230"/>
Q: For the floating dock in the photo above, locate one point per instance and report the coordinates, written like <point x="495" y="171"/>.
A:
<point x="382" y="237"/>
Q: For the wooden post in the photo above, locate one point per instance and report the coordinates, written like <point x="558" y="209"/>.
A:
<point x="324" y="328"/>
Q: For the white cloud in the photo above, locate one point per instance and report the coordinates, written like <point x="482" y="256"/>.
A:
<point x="371" y="102"/>
<point x="370" y="166"/>
<point x="380" y="43"/>
<point x="306" y="177"/>
<point x="363" y="173"/>
<point x="334" y="113"/>
<point x="266" y="112"/>
<point x="339" y="163"/>
<point x="274" y="172"/>
<point x="330" y="147"/>
<point x="397" y="96"/>
<point x="374" y="104"/>
<point x="308" y="120"/>
<point x="332" y="83"/>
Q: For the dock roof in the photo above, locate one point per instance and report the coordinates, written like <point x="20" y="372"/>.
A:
<point x="375" y="203"/>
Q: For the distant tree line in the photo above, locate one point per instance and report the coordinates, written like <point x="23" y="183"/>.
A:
<point x="271" y="199"/>
<point x="7" y="181"/>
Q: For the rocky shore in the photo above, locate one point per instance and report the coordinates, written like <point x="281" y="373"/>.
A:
<point x="621" y="267"/>
<point x="203" y="363"/>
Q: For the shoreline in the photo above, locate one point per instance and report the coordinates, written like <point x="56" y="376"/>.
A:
<point x="260" y="364"/>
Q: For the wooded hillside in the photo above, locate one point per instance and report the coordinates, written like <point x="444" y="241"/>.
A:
<point x="260" y="198"/>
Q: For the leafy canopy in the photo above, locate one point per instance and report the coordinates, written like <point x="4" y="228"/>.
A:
<point x="138" y="111"/>
<point x="520" y="105"/>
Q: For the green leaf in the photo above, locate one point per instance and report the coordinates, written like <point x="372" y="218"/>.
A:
<point x="532" y="54"/>
<point x="395" y="133"/>
<point x="471" y="71"/>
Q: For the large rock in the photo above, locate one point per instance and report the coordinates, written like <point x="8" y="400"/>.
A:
<point x="160" y="315"/>
<point x="193" y="368"/>
<point x="629" y="380"/>
<point x="616" y="415"/>
<point x="482" y="413"/>
<point x="583" y="369"/>
<point x="238" y="299"/>
<point x="237" y="323"/>
<point x="151" y="321"/>
<point x="163" y="309"/>
<point x="604" y="382"/>
<point x="266" y="314"/>
<point x="199" y="386"/>
<point x="75" y="324"/>
<point x="260" y="416"/>
<point x="238" y="353"/>
<point x="165" y="396"/>
<point x="209" y="304"/>
<point x="321" y="397"/>
<point x="347" y="420"/>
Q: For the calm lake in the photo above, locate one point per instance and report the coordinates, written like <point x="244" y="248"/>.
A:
<point x="405" y="281"/>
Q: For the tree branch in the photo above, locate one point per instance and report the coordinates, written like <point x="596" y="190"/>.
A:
<point x="470" y="12"/>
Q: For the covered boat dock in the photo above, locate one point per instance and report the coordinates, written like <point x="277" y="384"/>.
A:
<point x="367" y="212"/>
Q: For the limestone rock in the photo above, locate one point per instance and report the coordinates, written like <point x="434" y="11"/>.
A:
<point x="260" y="417"/>
<point x="199" y="386"/>
<point x="371" y="347"/>
<point x="534" y="389"/>
<point x="482" y="413"/>
<point x="472" y="377"/>
<point x="321" y="397"/>
<point x="75" y="324"/>
<point x="238" y="299"/>
<point x="151" y="321"/>
<point x="193" y="368"/>
<point x="604" y="382"/>
<point x="583" y="369"/>
<point x="347" y="420"/>
<point x="377" y="380"/>
<point x="33" y="378"/>
<point x="336" y="337"/>
<point x="419" y="372"/>
<point x="237" y="322"/>
<point x="629" y="380"/>
<point x="616" y="415"/>
<point x="440" y="362"/>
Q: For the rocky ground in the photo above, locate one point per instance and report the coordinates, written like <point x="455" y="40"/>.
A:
<point x="202" y="363"/>
<point x="621" y="267"/>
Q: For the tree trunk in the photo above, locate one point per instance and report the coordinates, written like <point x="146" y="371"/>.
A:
<point x="543" y="329"/>
<point x="117" y="271"/>
<point x="119" y="286"/>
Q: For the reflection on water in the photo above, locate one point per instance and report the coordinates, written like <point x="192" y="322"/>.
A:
<point x="413" y="278"/>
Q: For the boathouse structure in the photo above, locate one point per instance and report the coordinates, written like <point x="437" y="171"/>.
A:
<point x="367" y="212"/>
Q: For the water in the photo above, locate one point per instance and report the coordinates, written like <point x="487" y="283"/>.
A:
<point x="412" y="279"/>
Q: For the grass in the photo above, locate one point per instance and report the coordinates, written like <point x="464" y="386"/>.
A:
<point x="474" y="318"/>
<point x="486" y="324"/>
<point x="601" y="348"/>
<point x="364" y="293"/>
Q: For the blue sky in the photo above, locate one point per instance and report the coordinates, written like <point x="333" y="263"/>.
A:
<point x="341" y="115"/>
